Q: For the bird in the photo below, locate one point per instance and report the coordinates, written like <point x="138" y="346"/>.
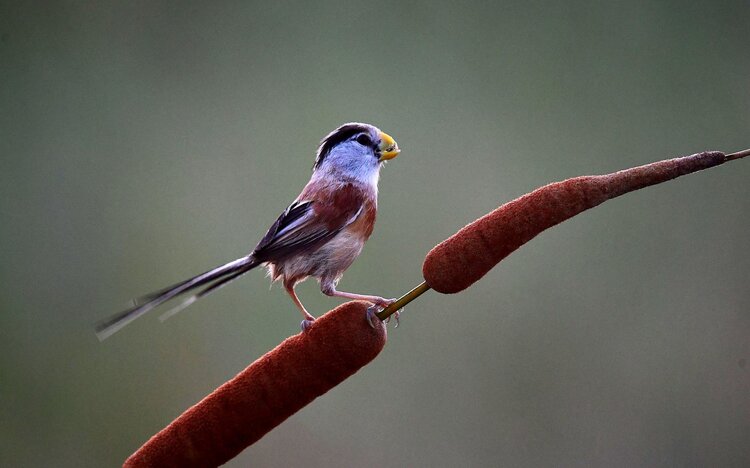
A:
<point x="319" y="235"/>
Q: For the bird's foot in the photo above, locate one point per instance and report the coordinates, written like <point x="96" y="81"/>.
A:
<point x="396" y="316"/>
<point x="372" y="317"/>
<point x="382" y="302"/>
<point x="372" y="311"/>
<point x="307" y="323"/>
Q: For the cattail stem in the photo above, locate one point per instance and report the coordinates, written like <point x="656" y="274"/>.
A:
<point x="737" y="155"/>
<point x="403" y="300"/>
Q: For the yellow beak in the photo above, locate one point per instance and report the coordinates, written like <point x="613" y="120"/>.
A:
<point x="388" y="147"/>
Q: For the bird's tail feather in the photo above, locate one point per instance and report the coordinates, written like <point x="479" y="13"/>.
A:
<point x="218" y="284"/>
<point x="215" y="278"/>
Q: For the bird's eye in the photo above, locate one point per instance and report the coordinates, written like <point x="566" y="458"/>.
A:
<point x="364" y="140"/>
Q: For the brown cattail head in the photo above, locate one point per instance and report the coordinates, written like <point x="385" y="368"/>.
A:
<point x="271" y="389"/>
<point x="459" y="261"/>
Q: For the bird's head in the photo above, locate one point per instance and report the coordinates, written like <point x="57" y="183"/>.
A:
<point x="355" y="150"/>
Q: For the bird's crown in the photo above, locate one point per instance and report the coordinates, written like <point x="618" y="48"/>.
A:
<point x="339" y="135"/>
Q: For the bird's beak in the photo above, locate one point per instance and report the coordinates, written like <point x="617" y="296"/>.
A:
<point x="388" y="147"/>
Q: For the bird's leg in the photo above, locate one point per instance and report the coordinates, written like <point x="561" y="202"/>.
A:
<point x="309" y="319"/>
<point x="329" y="289"/>
<point x="377" y="300"/>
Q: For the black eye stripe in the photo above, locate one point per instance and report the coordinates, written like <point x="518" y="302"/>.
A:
<point x="343" y="133"/>
<point x="364" y="140"/>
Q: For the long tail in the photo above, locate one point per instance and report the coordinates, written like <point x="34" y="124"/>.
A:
<point x="212" y="279"/>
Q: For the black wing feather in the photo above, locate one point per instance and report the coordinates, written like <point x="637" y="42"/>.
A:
<point x="277" y="244"/>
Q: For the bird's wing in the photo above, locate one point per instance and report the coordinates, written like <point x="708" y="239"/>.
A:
<point x="306" y="224"/>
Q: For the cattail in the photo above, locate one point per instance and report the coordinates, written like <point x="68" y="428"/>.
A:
<point x="271" y="389"/>
<point x="459" y="261"/>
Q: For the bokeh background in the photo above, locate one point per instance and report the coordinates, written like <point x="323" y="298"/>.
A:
<point x="142" y="142"/>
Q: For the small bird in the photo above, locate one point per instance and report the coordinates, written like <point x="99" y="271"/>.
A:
<point x="319" y="235"/>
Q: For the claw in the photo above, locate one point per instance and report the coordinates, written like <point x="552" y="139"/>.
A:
<point x="386" y="302"/>
<point x="396" y="315"/>
<point x="306" y="324"/>
<point x="374" y="309"/>
<point x="372" y="317"/>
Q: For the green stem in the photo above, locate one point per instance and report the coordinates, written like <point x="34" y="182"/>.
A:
<point x="403" y="300"/>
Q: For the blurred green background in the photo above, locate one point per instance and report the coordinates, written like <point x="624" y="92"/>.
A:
<point x="147" y="141"/>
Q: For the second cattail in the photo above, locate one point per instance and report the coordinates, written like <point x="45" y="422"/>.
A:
<point x="462" y="259"/>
